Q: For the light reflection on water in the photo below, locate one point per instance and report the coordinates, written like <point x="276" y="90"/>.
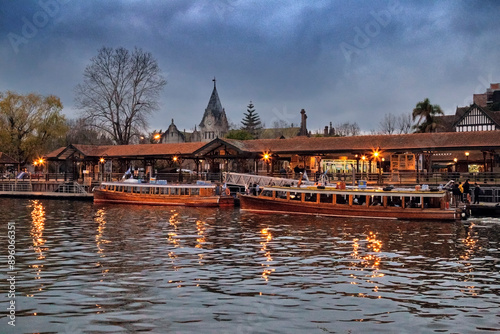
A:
<point x="104" y="269"/>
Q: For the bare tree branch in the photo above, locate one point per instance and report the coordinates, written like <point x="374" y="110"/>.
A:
<point x="120" y="90"/>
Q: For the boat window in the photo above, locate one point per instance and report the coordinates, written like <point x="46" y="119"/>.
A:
<point x="412" y="202"/>
<point x="126" y="189"/>
<point x="359" y="200"/>
<point x="326" y="198"/>
<point x="195" y="191"/>
<point x="281" y="194"/>
<point x="341" y="199"/>
<point x="394" y="201"/>
<point x="267" y="193"/>
<point x="295" y="196"/>
<point x="164" y="191"/>
<point x="310" y="197"/>
<point x="137" y="190"/>
<point x="184" y="191"/>
<point x="174" y="191"/>
<point x="376" y="201"/>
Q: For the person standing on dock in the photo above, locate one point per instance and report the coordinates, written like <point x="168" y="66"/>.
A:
<point x="466" y="187"/>
<point x="457" y="194"/>
<point x="477" y="192"/>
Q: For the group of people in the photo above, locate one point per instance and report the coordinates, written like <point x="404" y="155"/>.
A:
<point x="252" y="189"/>
<point x="461" y="192"/>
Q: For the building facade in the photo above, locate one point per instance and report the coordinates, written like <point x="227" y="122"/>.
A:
<point x="482" y="115"/>
<point x="213" y="124"/>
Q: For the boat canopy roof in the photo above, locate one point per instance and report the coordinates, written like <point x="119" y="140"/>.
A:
<point x="156" y="185"/>
<point x="361" y="191"/>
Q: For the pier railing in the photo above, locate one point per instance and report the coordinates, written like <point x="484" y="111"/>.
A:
<point x="16" y="186"/>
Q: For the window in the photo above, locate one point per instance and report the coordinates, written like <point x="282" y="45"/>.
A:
<point x="326" y="198"/>
<point x="267" y="193"/>
<point x="195" y="191"/>
<point x="281" y="194"/>
<point x="341" y="199"/>
<point x="310" y="197"/>
<point x="294" y="196"/>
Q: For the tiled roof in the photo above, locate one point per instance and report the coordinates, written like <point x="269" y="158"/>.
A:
<point x="415" y="141"/>
<point x="129" y="151"/>
<point x="442" y="141"/>
<point x="445" y="123"/>
<point x="54" y="153"/>
<point x="5" y="159"/>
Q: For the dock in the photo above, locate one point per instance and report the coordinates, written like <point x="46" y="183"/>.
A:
<point x="484" y="209"/>
<point x="47" y="194"/>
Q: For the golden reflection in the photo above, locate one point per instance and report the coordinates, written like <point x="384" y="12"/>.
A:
<point x="201" y="228"/>
<point x="470" y="245"/>
<point x="267" y="236"/>
<point x="172" y="236"/>
<point x="37" y="228"/>
<point x="369" y="260"/>
<point x="36" y="232"/>
<point x="101" y="226"/>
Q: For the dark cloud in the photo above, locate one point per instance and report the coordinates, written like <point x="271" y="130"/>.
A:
<point x="340" y="60"/>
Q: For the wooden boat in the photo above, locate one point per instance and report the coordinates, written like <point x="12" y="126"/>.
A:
<point x="161" y="194"/>
<point x="353" y="202"/>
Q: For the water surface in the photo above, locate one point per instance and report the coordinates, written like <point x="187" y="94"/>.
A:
<point x="84" y="268"/>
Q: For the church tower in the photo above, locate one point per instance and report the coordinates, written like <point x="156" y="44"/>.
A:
<point x="214" y="123"/>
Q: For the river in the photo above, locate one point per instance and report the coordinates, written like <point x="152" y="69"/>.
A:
<point x="85" y="268"/>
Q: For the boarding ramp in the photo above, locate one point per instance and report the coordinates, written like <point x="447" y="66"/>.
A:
<point x="242" y="179"/>
<point x="71" y="188"/>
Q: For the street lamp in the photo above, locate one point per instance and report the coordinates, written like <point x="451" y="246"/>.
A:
<point x="157" y="137"/>
<point x="266" y="156"/>
<point x="467" y="156"/>
<point x="101" y="168"/>
<point x="177" y="159"/>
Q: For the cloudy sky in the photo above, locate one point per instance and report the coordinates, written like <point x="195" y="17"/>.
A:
<point x="341" y="61"/>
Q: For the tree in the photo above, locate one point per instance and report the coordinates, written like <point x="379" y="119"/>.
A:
<point x="251" y="121"/>
<point x="30" y="125"/>
<point x="120" y="89"/>
<point x="427" y="113"/>
<point x="347" y="129"/>
<point x="79" y="132"/>
<point x="239" y="134"/>
<point x="392" y="124"/>
<point x="388" y="124"/>
<point x="404" y="123"/>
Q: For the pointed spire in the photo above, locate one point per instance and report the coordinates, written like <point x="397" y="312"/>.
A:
<point x="214" y="102"/>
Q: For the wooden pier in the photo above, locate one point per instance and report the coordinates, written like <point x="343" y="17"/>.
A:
<point x="47" y="194"/>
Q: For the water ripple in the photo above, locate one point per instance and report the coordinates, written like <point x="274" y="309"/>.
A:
<point x="115" y="269"/>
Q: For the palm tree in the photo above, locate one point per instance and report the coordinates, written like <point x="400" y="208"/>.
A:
<point x="426" y="111"/>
